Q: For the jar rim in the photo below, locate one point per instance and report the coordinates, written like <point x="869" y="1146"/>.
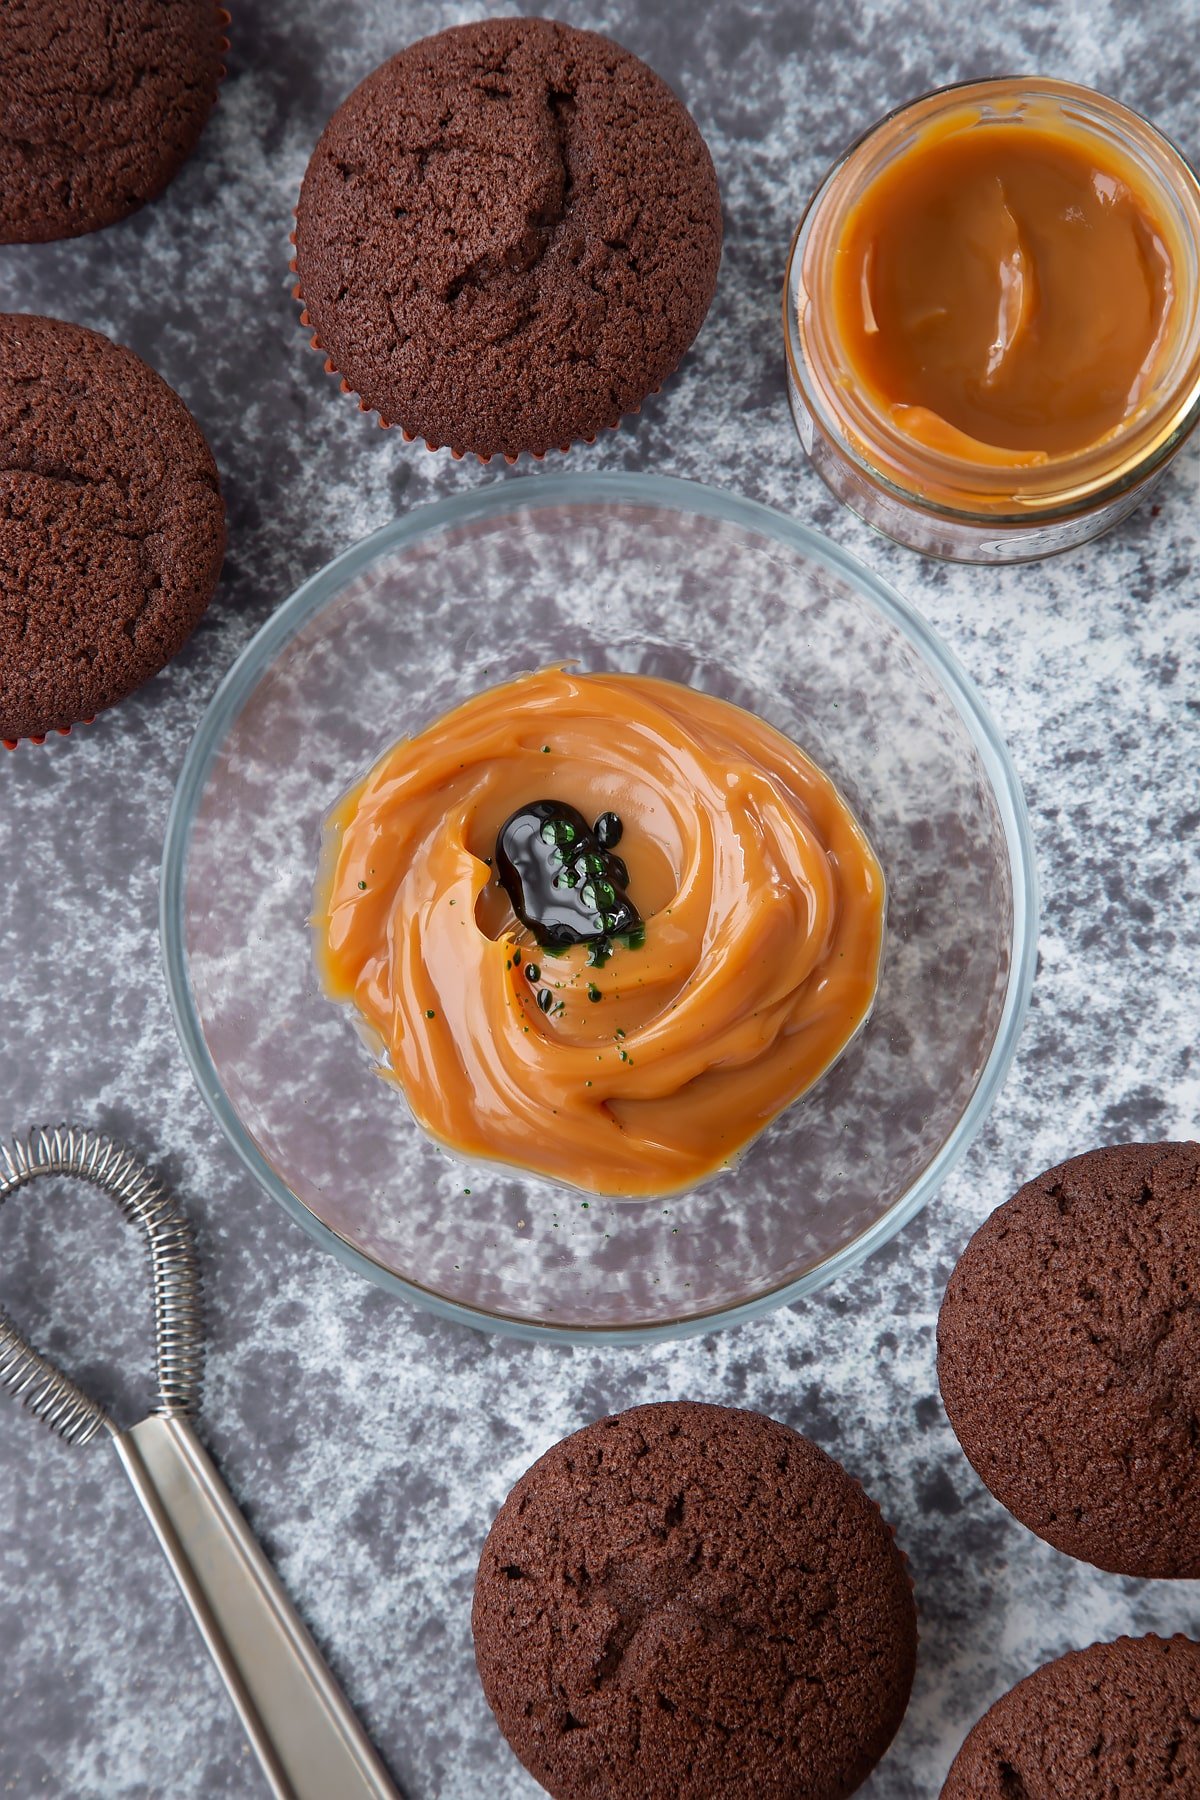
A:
<point x="1065" y="485"/>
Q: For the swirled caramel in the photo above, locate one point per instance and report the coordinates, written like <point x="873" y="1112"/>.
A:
<point x="633" y="1065"/>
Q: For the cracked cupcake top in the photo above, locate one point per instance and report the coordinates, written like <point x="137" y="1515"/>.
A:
<point x="683" y="1601"/>
<point x="1069" y="1357"/>
<point x="101" y="103"/>
<point x="1120" y="1719"/>
<point x="112" y="527"/>
<point x="508" y="236"/>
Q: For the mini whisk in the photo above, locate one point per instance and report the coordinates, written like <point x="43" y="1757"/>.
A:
<point x="308" y="1741"/>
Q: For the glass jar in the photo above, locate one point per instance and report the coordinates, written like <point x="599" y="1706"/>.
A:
<point x="949" y="505"/>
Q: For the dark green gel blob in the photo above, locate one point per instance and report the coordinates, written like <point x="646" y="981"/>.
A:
<point x="565" y="885"/>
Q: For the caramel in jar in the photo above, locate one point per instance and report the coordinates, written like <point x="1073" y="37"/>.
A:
<point x="992" y="318"/>
<point x="1004" y="293"/>
<point x="639" y="1066"/>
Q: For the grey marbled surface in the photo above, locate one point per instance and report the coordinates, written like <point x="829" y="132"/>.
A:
<point x="371" y="1445"/>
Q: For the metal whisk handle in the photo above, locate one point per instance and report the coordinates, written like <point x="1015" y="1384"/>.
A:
<point x="307" y="1739"/>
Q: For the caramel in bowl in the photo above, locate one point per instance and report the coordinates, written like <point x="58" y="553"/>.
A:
<point x="628" y="1068"/>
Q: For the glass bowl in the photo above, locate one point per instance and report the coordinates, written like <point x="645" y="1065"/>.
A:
<point x="649" y="575"/>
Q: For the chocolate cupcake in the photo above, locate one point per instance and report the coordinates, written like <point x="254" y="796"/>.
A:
<point x="112" y="527"/>
<point x="101" y="104"/>
<point x="1120" y="1719"/>
<point x="1069" y="1357"/>
<point x="685" y="1601"/>
<point x="507" y="237"/>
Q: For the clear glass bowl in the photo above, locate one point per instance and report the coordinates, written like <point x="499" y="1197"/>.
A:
<point x="649" y="575"/>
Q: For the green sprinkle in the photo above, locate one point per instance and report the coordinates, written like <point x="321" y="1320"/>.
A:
<point x="362" y="884"/>
<point x="545" y="749"/>
<point x="466" y="1190"/>
<point x="619" y="1032"/>
<point x="516" y="961"/>
<point x="532" y="972"/>
<point x="593" y="992"/>
<point x="584" y="1204"/>
<point x="429" y="1013"/>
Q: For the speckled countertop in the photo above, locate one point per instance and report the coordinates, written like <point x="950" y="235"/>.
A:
<point x="368" y="1444"/>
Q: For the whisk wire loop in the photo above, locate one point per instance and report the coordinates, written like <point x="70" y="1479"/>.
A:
<point x="178" y="1322"/>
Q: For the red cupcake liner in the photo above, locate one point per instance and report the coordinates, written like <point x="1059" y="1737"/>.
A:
<point x="224" y="20"/>
<point x="40" y="737"/>
<point x="410" y="437"/>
